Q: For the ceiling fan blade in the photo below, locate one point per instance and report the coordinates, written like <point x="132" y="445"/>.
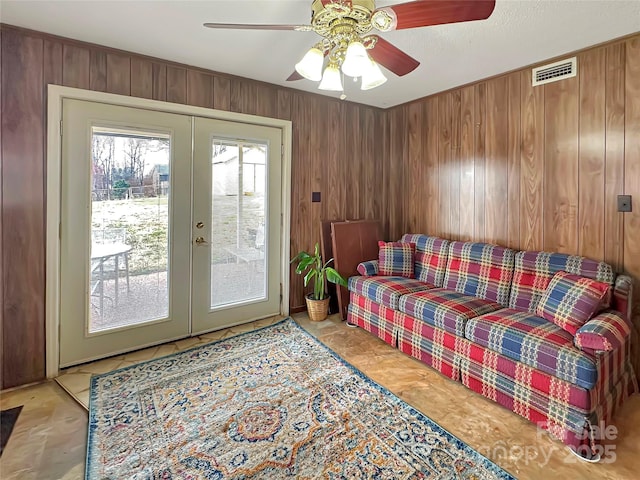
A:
<point x="252" y="26"/>
<point x="294" y="76"/>
<point x="392" y="58"/>
<point x="424" y="13"/>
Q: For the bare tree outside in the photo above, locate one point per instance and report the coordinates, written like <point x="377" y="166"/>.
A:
<point x="135" y="151"/>
<point x="103" y="164"/>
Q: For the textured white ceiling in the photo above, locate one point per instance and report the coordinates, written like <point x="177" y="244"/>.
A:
<point x="519" y="33"/>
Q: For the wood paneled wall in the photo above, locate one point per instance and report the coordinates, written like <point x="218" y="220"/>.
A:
<point x="497" y="161"/>
<point x="534" y="168"/>
<point x="337" y="150"/>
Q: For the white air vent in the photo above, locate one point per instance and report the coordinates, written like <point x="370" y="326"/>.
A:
<point x="554" y="71"/>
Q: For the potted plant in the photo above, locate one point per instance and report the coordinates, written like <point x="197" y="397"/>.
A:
<point x="312" y="268"/>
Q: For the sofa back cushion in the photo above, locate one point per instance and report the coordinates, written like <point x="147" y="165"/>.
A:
<point x="480" y="269"/>
<point x="571" y="300"/>
<point x="534" y="270"/>
<point x="396" y="259"/>
<point x="430" y="258"/>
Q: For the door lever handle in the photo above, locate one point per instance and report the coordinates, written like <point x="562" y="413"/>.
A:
<point x="200" y="241"/>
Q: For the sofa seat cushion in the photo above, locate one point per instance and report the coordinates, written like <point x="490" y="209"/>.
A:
<point x="536" y="342"/>
<point x="445" y="309"/>
<point x="488" y="365"/>
<point x="386" y="290"/>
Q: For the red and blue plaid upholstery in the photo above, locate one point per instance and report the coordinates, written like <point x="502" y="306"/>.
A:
<point x="479" y="269"/>
<point x="571" y="300"/>
<point x="536" y="342"/>
<point x="385" y="290"/>
<point x="534" y="270"/>
<point x="569" y="422"/>
<point x="487" y="365"/>
<point x="396" y="259"/>
<point x="373" y="317"/>
<point x="621" y="297"/>
<point x="432" y="346"/>
<point x="431" y="257"/>
<point x="521" y="400"/>
<point x="566" y="410"/>
<point x="445" y="309"/>
<point x="368" y="269"/>
<point x="606" y="332"/>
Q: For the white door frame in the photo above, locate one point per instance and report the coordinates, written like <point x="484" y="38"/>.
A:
<point x="56" y="94"/>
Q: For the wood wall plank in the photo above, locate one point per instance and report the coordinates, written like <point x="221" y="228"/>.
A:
<point x="444" y="165"/>
<point x="632" y="178"/>
<point x="317" y="137"/>
<point x="176" y="84"/>
<point x="221" y="93"/>
<point x="2" y="269"/>
<point x="52" y="63"/>
<point x="367" y="160"/>
<point x="249" y="97"/>
<point x="75" y="66"/>
<point x="591" y="168"/>
<point x="531" y="164"/>
<point x="454" y="166"/>
<point x="141" y="78"/>
<point x="199" y="89"/>
<point x="22" y="206"/>
<point x="335" y="202"/>
<point x="466" y="159"/>
<point x="513" y="164"/>
<point x="98" y="71"/>
<point x="352" y="210"/>
<point x="614" y="151"/>
<point x="415" y="122"/>
<point x="431" y="194"/>
<point x="266" y="101"/>
<point x="496" y="161"/>
<point x="561" y="166"/>
<point x="284" y="105"/>
<point x="159" y="80"/>
<point x="479" y="161"/>
<point x="118" y="74"/>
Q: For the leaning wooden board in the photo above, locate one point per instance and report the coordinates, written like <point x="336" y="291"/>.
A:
<point x="353" y="242"/>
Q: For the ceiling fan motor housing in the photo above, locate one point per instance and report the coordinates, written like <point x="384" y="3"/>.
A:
<point x="355" y="14"/>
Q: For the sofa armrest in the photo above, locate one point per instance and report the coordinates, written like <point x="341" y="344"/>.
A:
<point x="622" y="295"/>
<point x="369" y="268"/>
<point x="605" y="332"/>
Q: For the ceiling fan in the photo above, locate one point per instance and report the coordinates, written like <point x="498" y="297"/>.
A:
<point x="345" y="27"/>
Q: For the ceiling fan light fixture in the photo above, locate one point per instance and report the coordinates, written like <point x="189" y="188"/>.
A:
<point x="356" y="61"/>
<point x="331" y="79"/>
<point x="310" y="67"/>
<point x="373" y="77"/>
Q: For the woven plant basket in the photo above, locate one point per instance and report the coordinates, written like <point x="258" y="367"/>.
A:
<point x="317" y="309"/>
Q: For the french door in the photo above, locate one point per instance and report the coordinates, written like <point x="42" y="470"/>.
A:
<point x="236" y="223"/>
<point x="170" y="226"/>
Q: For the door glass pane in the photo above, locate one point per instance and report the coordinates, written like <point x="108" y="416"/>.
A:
<point x="129" y="228"/>
<point x="238" y="206"/>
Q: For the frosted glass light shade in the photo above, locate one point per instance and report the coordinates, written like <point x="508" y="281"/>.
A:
<point x="331" y="79"/>
<point x="310" y="67"/>
<point x="356" y="60"/>
<point x="373" y="77"/>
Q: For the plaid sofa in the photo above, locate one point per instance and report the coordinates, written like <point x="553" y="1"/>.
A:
<point x="470" y="313"/>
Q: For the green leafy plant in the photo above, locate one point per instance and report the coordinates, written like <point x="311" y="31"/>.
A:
<point x="311" y="267"/>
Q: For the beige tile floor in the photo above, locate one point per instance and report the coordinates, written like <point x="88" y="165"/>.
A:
<point x="49" y="441"/>
<point x="76" y="380"/>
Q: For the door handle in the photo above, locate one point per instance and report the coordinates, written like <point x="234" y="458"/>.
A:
<point x="200" y="241"/>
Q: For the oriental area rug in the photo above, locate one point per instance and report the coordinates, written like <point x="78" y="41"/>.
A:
<point x="268" y="404"/>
